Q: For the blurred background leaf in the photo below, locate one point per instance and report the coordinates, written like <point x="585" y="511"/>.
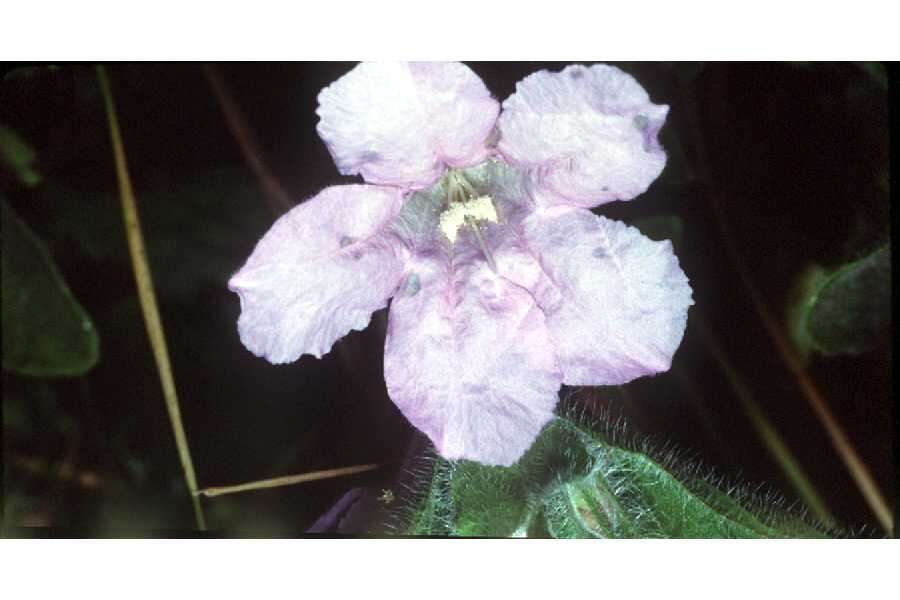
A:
<point x="192" y="226"/>
<point x="17" y="157"/>
<point x="808" y="282"/>
<point x="877" y="71"/>
<point x="46" y="332"/>
<point x="847" y="310"/>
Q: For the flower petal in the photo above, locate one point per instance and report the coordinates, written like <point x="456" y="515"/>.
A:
<point x="468" y="359"/>
<point x="319" y="272"/>
<point x="404" y="123"/>
<point x="589" y="133"/>
<point x="615" y="301"/>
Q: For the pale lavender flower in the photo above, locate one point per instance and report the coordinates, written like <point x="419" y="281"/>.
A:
<point x="477" y="223"/>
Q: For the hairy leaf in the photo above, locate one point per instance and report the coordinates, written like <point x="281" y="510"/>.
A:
<point x="581" y="482"/>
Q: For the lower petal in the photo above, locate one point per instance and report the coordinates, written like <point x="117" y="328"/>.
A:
<point x="319" y="272"/>
<point x="468" y="360"/>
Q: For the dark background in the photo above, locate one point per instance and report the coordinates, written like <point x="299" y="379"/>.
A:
<point x="796" y="157"/>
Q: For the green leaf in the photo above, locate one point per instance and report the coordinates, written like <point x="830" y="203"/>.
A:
<point x="465" y="498"/>
<point x="847" y="311"/>
<point x="432" y="516"/>
<point x="45" y="331"/>
<point x="17" y="157"/>
<point x="876" y="71"/>
<point x="578" y="482"/>
<point x="23" y="75"/>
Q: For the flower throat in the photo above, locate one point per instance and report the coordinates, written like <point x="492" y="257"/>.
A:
<point x="466" y="208"/>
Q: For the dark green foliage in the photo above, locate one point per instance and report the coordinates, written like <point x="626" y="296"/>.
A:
<point x="876" y="71"/>
<point x="45" y="331"/>
<point x="847" y="311"/>
<point x="17" y="157"/>
<point x="851" y="312"/>
<point x="580" y="481"/>
<point x="196" y="230"/>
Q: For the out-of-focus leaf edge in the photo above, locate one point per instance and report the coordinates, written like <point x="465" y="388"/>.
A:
<point x="92" y="349"/>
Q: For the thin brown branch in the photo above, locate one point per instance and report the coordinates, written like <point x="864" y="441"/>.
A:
<point x="147" y="296"/>
<point x="277" y="197"/>
<point x="211" y="492"/>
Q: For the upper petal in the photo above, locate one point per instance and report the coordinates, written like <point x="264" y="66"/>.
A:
<point x="615" y="301"/>
<point x="405" y="123"/>
<point x="468" y="359"/>
<point x="589" y="134"/>
<point x="320" y="271"/>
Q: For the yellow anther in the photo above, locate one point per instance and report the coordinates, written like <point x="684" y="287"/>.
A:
<point x="459" y="213"/>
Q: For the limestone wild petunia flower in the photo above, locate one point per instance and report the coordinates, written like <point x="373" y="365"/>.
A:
<point x="476" y="225"/>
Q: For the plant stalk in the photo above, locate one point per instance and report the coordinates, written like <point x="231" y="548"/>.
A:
<point x="147" y="296"/>
<point x="286" y="480"/>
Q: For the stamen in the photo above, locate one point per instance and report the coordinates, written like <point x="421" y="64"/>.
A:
<point x="466" y="212"/>
<point x="462" y="182"/>
<point x="464" y="208"/>
<point x="484" y="249"/>
<point x="452" y="219"/>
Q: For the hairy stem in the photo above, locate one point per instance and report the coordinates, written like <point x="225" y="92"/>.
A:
<point x="148" y="297"/>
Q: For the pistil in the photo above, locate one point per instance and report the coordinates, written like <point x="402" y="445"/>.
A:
<point x="484" y="249"/>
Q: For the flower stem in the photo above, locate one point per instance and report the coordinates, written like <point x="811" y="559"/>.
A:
<point x="147" y="296"/>
<point x="286" y="480"/>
